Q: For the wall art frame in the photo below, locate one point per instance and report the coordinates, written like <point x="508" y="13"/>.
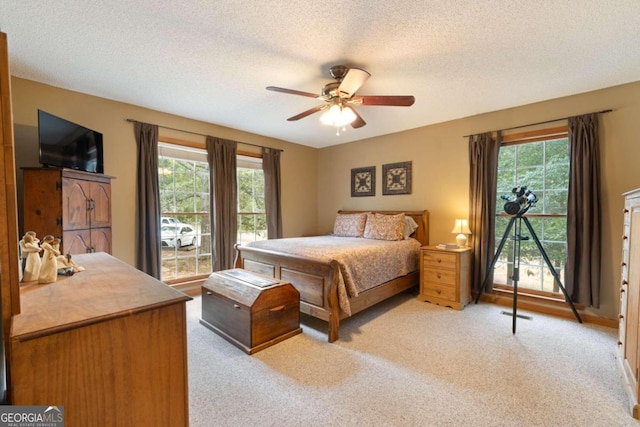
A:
<point x="363" y="181"/>
<point x="396" y="178"/>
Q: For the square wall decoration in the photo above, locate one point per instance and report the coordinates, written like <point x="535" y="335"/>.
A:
<point x="396" y="178"/>
<point x="363" y="181"/>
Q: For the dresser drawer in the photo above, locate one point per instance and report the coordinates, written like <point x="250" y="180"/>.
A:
<point x="439" y="259"/>
<point x="444" y="277"/>
<point x="437" y="290"/>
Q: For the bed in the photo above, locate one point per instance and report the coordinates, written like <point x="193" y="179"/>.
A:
<point x="324" y="292"/>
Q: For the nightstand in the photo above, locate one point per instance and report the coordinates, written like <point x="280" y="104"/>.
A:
<point x="445" y="276"/>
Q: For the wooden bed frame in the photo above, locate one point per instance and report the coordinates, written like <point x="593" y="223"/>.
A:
<point x="315" y="280"/>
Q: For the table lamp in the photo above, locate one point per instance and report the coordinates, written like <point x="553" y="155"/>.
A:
<point x="461" y="229"/>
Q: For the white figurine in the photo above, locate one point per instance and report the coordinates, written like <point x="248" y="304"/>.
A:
<point x="67" y="266"/>
<point x="49" y="269"/>
<point x="23" y="254"/>
<point x="31" y="252"/>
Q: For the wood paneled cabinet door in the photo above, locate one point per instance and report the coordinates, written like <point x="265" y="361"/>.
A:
<point x="629" y="319"/>
<point x="87" y="204"/>
<point x="87" y="241"/>
<point x="72" y="205"/>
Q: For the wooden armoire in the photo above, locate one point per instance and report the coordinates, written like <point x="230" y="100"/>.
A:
<point x="629" y="326"/>
<point x="72" y="205"/>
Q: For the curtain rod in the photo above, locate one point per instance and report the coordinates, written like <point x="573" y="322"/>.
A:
<point x="542" y="123"/>
<point x="202" y="134"/>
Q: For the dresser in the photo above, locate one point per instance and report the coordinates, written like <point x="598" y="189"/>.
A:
<point x="109" y="344"/>
<point x="445" y="277"/>
<point x="628" y="329"/>
<point x="72" y="205"/>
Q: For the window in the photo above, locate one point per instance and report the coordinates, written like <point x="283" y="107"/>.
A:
<point x="183" y="174"/>
<point x="540" y="161"/>
<point x="184" y="202"/>
<point x="252" y="219"/>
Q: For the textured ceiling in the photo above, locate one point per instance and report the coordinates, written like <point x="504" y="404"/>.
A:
<point x="211" y="60"/>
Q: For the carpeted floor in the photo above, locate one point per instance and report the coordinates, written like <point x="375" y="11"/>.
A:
<point x="408" y="363"/>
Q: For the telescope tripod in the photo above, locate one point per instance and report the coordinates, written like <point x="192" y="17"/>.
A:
<point x="517" y="220"/>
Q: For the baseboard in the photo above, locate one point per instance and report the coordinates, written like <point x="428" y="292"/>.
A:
<point x="545" y="306"/>
<point x="192" y="288"/>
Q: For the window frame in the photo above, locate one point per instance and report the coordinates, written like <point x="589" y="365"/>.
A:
<point x="195" y="279"/>
<point x="188" y="153"/>
<point x="521" y="138"/>
<point x="247" y="163"/>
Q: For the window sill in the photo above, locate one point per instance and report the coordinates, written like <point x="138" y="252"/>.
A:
<point x="190" y="286"/>
<point x="555" y="306"/>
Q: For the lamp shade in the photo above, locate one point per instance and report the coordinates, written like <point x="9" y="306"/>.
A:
<point x="338" y="115"/>
<point x="461" y="227"/>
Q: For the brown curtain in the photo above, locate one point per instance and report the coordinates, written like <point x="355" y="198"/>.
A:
<point x="221" y="155"/>
<point x="483" y="180"/>
<point x="272" y="199"/>
<point x="148" y="255"/>
<point x="582" y="271"/>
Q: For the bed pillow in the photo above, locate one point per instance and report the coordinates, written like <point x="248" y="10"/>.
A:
<point x="410" y="225"/>
<point x="384" y="227"/>
<point x="349" y="225"/>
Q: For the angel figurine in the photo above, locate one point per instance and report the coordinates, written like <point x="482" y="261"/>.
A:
<point x="23" y="253"/>
<point x="31" y="252"/>
<point x="67" y="266"/>
<point x="49" y="269"/>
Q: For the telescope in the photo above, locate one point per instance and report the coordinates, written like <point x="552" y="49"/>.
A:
<point x="520" y="201"/>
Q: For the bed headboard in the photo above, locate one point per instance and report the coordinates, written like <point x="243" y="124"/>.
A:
<point x="420" y="217"/>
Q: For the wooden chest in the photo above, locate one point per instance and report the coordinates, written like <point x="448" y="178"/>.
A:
<point x="252" y="312"/>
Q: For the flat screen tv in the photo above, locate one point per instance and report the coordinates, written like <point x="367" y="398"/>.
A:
<point x="68" y="145"/>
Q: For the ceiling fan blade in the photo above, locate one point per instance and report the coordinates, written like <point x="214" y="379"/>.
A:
<point x="292" y="92"/>
<point x="352" y="81"/>
<point x="396" y="101"/>
<point x="306" y="113"/>
<point x="358" y="122"/>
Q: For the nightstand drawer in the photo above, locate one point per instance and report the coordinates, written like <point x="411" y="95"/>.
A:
<point x="444" y="277"/>
<point x="440" y="291"/>
<point x="439" y="259"/>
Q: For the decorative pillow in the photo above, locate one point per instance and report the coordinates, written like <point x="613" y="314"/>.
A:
<point x="349" y="225"/>
<point x="410" y="225"/>
<point x="384" y="227"/>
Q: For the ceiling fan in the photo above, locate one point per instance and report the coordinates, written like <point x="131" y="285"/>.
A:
<point x="340" y="97"/>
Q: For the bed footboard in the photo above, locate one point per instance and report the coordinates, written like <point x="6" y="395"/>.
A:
<point x="313" y="279"/>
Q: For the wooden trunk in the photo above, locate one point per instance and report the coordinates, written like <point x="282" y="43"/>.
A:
<point x="250" y="311"/>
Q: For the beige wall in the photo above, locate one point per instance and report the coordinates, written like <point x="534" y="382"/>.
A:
<point x="441" y="169"/>
<point x="299" y="202"/>
<point x="438" y="152"/>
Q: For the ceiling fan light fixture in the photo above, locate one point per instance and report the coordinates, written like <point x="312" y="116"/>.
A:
<point x="338" y="116"/>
